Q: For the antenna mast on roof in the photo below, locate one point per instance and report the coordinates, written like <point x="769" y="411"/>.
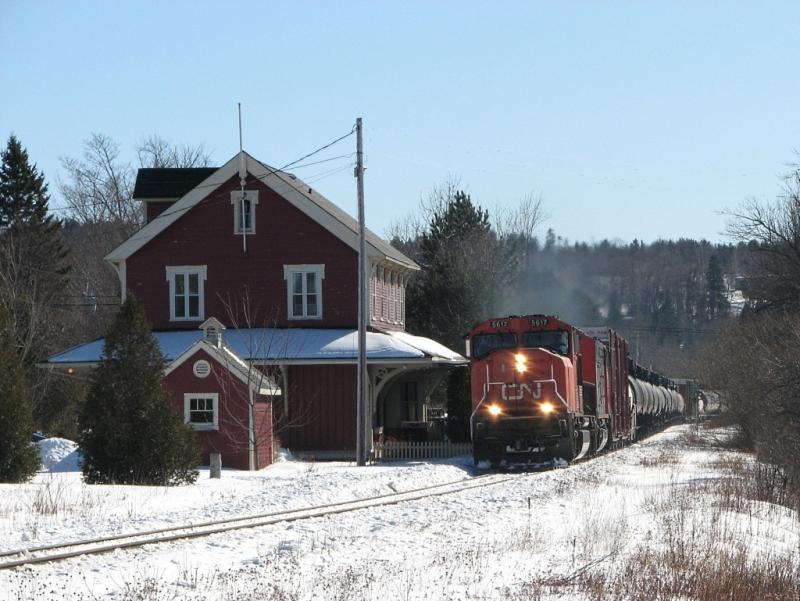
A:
<point x="241" y="216"/>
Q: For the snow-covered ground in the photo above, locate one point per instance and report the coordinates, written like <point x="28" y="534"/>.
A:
<point x="546" y="535"/>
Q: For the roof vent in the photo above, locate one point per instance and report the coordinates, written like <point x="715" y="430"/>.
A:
<point x="212" y="331"/>
<point x="201" y="368"/>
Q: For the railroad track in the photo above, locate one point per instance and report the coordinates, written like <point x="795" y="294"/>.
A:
<point x="61" y="551"/>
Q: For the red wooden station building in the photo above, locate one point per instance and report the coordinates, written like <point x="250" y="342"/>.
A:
<point x="249" y="278"/>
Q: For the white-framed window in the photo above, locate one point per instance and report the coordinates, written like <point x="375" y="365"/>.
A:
<point x="304" y="290"/>
<point x="201" y="410"/>
<point x="186" y="292"/>
<point x="244" y="211"/>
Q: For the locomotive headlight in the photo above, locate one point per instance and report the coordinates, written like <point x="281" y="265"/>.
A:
<point x="547" y="407"/>
<point x="494" y="410"/>
<point x="521" y="363"/>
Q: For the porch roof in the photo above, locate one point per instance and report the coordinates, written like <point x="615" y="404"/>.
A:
<point x="286" y="345"/>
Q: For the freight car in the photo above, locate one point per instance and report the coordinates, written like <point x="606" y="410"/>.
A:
<point x="544" y="390"/>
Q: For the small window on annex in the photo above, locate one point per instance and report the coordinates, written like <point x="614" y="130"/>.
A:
<point x="244" y="211"/>
<point x="186" y="292"/>
<point x="201" y="410"/>
<point x="304" y="288"/>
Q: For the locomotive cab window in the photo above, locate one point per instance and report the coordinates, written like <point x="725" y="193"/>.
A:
<point x="556" y="341"/>
<point x="483" y="344"/>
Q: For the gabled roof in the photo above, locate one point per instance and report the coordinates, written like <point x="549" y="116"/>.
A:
<point x="168" y="182"/>
<point x="249" y="376"/>
<point x="297" y="192"/>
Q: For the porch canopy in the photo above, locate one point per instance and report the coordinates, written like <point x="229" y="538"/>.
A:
<point x="286" y="346"/>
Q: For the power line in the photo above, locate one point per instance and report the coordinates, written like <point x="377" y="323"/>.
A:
<point x="341" y="156"/>
<point x="326" y="174"/>
<point x="318" y="150"/>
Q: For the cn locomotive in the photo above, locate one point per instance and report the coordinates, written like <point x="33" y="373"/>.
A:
<point x="544" y="390"/>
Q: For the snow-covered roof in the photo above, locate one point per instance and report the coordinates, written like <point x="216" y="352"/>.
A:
<point x="292" y="345"/>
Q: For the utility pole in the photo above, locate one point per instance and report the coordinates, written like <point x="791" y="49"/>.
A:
<point x="361" y="411"/>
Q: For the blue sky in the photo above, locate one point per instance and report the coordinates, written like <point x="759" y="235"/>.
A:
<point x="632" y="120"/>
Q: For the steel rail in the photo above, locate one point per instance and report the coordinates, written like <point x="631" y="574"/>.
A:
<point x="122" y="541"/>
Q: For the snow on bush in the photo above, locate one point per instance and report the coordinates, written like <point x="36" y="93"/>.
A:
<point x="59" y="455"/>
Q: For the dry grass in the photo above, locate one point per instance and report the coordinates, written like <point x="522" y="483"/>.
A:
<point x="670" y="457"/>
<point x="650" y="575"/>
<point x="697" y="549"/>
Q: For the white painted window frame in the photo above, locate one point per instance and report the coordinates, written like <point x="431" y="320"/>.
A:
<point x="214" y="396"/>
<point x="288" y="272"/>
<point x="186" y="270"/>
<point x="236" y="198"/>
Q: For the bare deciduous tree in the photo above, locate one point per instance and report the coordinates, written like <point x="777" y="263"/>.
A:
<point x="772" y="232"/>
<point x="98" y="190"/>
<point x="100" y="185"/>
<point x="754" y="365"/>
<point x="242" y="411"/>
<point x="410" y="228"/>
<point x="518" y="225"/>
<point x="155" y="151"/>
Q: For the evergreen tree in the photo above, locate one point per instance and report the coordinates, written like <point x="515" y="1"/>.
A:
<point x="130" y="432"/>
<point x="550" y="241"/>
<point x="462" y="260"/>
<point x="19" y="459"/>
<point x="32" y="254"/>
<point x="716" y="300"/>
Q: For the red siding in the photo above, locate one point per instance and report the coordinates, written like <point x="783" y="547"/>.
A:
<point x="284" y="235"/>
<point x="322" y="409"/>
<point x="231" y="438"/>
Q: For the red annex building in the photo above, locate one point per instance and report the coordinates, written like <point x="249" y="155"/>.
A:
<point x="249" y="278"/>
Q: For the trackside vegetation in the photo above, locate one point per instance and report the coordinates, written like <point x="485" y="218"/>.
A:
<point x="130" y="432"/>
<point x="19" y="459"/>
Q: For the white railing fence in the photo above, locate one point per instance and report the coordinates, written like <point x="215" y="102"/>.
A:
<point x="398" y="451"/>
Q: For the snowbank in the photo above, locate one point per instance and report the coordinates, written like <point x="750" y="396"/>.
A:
<point x="59" y="455"/>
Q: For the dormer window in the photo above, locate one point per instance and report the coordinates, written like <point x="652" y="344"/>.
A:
<point x="244" y="211"/>
<point x="186" y="292"/>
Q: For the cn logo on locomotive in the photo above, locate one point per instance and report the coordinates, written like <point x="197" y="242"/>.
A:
<point x="516" y="392"/>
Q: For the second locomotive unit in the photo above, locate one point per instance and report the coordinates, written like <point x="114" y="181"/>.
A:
<point x="543" y="389"/>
